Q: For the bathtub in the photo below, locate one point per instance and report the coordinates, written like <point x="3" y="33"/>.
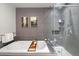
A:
<point x="19" y="47"/>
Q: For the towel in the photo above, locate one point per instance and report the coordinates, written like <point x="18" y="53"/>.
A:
<point x="7" y="37"/>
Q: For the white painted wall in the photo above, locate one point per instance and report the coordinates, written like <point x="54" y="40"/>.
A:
<point x="7" y="18"/>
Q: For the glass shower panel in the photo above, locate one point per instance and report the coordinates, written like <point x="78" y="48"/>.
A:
<point x="65" y="28"/>
<point x="56" y="23"/>
<point x="71" y="41"/>
<point x="69" y="28"/>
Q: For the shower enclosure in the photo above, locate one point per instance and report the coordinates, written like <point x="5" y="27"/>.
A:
<point x="71" y="17"/>
<point x="65" y="28"/>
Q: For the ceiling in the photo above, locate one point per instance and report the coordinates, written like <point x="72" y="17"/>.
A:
<point x="32" y="5"/>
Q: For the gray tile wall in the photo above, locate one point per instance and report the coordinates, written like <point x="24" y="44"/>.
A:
<point x="71" y="42"/>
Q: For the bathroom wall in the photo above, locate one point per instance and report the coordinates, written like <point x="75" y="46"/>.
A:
<point x="31" y="32"/>
<point x="47" y="21"/>
<point x="71" y="42"/>
<point x="48" y="27"/>
<point x="7" y="18"/>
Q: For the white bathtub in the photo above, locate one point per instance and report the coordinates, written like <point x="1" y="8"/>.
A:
<point x="22" y="47"/>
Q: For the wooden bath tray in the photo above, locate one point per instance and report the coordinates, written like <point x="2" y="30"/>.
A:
<point x="32" y="46"/>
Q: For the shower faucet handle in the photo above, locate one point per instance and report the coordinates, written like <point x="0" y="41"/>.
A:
<point x="69" y="31"/>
